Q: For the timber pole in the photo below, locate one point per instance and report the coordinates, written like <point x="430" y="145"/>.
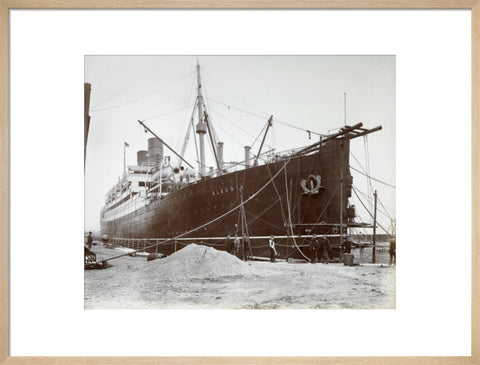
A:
<point x="124" y="159"/>
<point x="374" y="227"/>
<point x="87" y="91"/>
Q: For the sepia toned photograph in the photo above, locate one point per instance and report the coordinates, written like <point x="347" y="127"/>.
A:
<point x="240" y="182"/>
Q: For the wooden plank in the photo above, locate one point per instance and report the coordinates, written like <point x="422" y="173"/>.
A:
<point x="5" y="5"/>
<point x="241" y="4"/>
<point x="4" y="187"/>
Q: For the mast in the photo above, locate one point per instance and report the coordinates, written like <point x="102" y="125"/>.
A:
<point x="187" y="136"/>
<point x="207" y="122"/>
<point x="341" y="207"/>
<point x="374" y="228"/>
<point x="341" y="171"/>
<point x="269" y="124"/>
<point x="201" y="127"/>
<point x="125" y="145"/>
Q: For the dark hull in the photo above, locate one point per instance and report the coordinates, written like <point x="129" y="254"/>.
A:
<point x="267" y="213"/>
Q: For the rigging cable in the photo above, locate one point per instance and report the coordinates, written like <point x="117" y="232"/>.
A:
<point x="235" y="95"/>
<point x="384" y="208"/>
<point x="235" y="139"/>
<point x="258" y="136"/>
<point x="223" y="117"/>
<point x="144" y="96"/>
<point x="229" y="135"/>
<point x="266" y="117"/>
<point x="367" y="175"/>
<point x="290" y="218"/>
<point x="324" y="209"/>
<point x="370" y="214"/>
<point x="281" y="206"/>
<point x="125" y="89"/>
<point x="167" y="113"/>
<point x="238" y="109"/>
<point x="273" y="138"/>
<point x="187" y="135"/>
<point x="377" y="180"/>
<point x="195" y="140"/>
<point x="278" y="194"/>
<point x="230" y="120"/>
<point x="207" y="111"/>
<point x="367" y="169"/>
<point x="186" y="122"/>
<point x="384" y="212"/>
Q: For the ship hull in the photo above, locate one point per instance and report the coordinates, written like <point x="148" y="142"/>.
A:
<point x="291" y="197"/>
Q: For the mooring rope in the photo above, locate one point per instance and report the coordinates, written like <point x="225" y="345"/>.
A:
<point x="290" y="219"/>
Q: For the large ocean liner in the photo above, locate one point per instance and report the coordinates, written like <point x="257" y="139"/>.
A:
<point x="291" y="195"/>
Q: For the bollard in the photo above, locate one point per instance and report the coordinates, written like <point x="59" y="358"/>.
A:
<point x="347" y="259"/>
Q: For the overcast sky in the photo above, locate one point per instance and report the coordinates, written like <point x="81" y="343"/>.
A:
<point x="304" y="91"/>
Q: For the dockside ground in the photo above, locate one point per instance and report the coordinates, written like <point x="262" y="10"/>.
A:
<point x="200" y="277"/>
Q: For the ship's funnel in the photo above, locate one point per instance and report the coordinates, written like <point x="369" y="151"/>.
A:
<point x="220" y="157"/>
<point x="155" y="151"/>
<point x="247" y="156"/>
<point x="142" y="157"/>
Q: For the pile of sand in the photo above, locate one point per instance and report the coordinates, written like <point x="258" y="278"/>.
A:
<point x="198" y="262"/>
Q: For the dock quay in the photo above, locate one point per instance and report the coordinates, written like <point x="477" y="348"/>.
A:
<point x="142" y="247"/>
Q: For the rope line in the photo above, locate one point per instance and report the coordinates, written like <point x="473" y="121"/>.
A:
<point x="370" y="177"/>
<point x="384" y="212"/>
<point x="264" y="117"/>
<point x="290" y="218"/>
<point x="167" y="113"/>
<point x="144" y="96"/>
<point x="234" y="124"/>
<point x="355" y="191"/>
<point x="125" y="89"/>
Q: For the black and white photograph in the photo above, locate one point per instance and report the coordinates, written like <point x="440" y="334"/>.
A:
<point x="240" y="182"/>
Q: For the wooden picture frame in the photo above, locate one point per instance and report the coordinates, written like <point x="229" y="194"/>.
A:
<point x="6" y="5"/>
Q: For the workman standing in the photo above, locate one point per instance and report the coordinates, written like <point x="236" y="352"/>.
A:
<point x="347" y="246"/>
<point x="273" y="252"/>
<point x="246" y="247"/>
<point x="313" y="249"/>
<point x="236" y="245"/>
<point x="393" y="251"/>
<point x="89" y="240"/>
<point x="228" y="244"/>
<point x="325" y="247"/>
